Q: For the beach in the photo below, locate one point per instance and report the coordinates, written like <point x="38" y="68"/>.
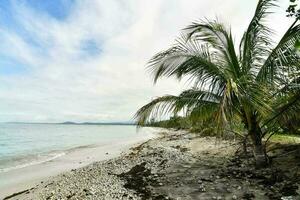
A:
<point x="27" y="177"/>
<point x="173" y="165"/>
<point x="149" y="100"/>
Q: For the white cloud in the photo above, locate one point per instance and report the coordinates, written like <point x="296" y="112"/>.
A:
<point x="62" y="85"/>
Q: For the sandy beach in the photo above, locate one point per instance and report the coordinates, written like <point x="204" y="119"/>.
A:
<point x="174" y="165"/>
<point x="27" y="177"/>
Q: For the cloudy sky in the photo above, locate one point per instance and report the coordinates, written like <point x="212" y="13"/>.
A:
<point x="84" y="60"/>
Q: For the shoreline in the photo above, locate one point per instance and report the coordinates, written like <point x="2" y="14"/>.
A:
<point x="24" y="178"/>
<point x="175" y="165"/>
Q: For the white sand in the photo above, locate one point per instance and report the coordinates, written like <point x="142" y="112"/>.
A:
<point x="24" y="178"/>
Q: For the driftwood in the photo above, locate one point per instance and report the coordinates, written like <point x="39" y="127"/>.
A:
<point x="17" y="193"/>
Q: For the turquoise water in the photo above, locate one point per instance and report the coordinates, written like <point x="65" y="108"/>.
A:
<point x="26" y="144"/>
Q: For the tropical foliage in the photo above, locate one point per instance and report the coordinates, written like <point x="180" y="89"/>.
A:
<point x="293" y="10"/>
<point x="256" y="82"/>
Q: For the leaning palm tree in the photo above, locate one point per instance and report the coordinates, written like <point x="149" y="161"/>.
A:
<point x="227" y="83"/>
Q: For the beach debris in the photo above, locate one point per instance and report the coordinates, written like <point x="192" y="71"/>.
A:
<point x="156" y="168"/>
<point x="18" y="193"/>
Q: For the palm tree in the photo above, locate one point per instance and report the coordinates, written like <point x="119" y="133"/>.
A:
<point x="228" y="83"/>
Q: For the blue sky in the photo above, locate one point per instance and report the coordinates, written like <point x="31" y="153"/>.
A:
<point x="84" y="60"/>
<point x="57" y="10"/>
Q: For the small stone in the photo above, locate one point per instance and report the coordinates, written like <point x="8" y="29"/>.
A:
<point x="234" y="197"/>
<point x="202" y="188"/>
<point x="239" y="187"/>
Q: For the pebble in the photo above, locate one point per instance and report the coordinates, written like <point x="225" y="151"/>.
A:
<point x="100" y="181"/>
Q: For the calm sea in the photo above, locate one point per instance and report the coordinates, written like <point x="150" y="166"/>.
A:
<point x="27" y="144"/>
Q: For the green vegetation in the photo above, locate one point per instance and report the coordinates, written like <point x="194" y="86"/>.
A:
<point x="174" y="122"/>
<point x="293" y="10"/>
<point x="201" y="127"/>
<point x="255" y="86"/>
<point x="286" y="138"/>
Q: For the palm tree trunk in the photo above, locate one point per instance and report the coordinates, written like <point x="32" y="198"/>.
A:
<point x="261" y="159"/>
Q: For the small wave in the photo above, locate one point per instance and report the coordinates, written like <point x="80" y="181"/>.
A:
<point x="38" y="159"/>
<point x="29" y="160"/>
<point x="81" y="147"/>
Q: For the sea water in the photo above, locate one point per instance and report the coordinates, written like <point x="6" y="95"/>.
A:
<point x="28" y="144"/>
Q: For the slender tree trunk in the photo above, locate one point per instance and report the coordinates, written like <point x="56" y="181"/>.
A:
<point x="255" y="133"/>
<point x="261" y="159"/>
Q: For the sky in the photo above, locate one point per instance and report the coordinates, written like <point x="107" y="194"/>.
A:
<point x="85" y="60"/>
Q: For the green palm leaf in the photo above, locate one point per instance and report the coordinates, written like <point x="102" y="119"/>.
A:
<point x="256" y="42"/>
<point x="283" y="60"/>
<point x="186" y="102"/>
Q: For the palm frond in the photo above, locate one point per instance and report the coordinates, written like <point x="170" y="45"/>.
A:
<point x="189" y="59"/>
<point x="169" y="104"/>
<point x="283" y="61"/>
<point x="157" y="107"/>
<point x="256" y="41"/>
<point x="218" y="38"/>
<point x="286" y="111"/>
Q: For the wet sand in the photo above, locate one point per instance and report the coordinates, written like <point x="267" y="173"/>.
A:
<point x="25" y="178"/>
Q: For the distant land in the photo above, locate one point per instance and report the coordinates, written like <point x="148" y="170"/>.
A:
<point x="98" y="123"/>
<point x="77" y="123"/>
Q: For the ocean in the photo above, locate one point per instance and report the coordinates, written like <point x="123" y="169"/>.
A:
<point x="22" y="145"/>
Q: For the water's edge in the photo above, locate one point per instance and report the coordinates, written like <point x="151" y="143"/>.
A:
<point x="16" y="153"/>
<point x="23" y="178"/>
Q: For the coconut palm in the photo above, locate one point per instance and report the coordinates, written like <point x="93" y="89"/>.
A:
<point x="227" y="83"/>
